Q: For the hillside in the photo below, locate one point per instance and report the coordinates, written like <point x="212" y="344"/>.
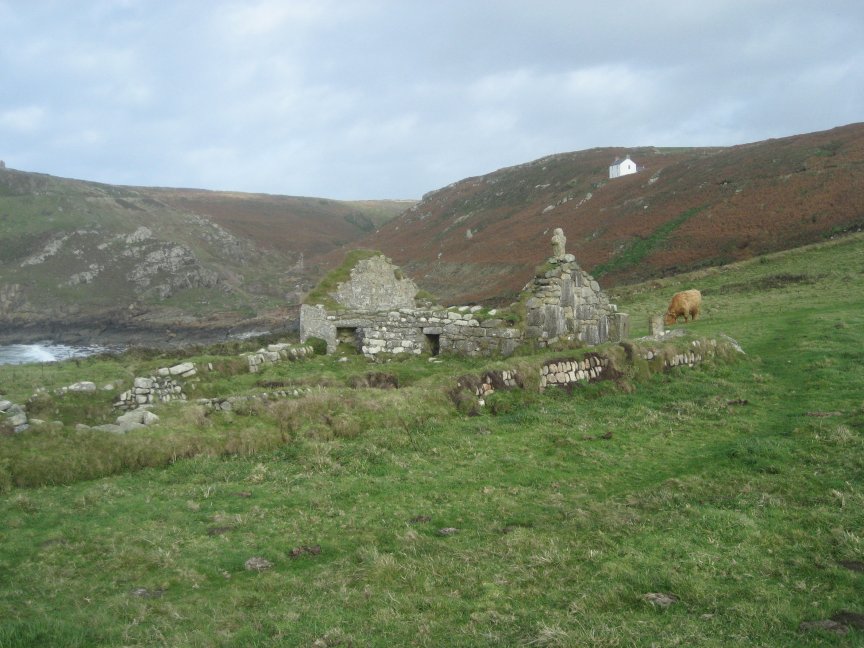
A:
<point x="719" y="505"/>
<point x="82" y="260"/>
<point x="479" y="239"/>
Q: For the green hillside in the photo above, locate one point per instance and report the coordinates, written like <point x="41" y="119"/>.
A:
<point x="87" y="261"/>
<point x="392" y="518"/>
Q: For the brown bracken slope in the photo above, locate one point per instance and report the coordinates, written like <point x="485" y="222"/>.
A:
<point x="287" y="224"/>
<point x="481" y="238"/>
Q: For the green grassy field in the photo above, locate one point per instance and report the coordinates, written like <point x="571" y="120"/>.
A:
<point x="390" y="519"/>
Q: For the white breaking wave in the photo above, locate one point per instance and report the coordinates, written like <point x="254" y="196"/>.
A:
<point x="27" y="353"/>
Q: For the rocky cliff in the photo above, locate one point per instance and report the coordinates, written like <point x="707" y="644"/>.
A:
<point x="82" y="261"/>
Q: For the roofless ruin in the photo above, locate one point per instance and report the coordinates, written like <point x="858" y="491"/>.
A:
<point x="375" y="309"/>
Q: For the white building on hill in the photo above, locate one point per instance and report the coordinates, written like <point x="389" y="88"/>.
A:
<point x="622" y="167"/>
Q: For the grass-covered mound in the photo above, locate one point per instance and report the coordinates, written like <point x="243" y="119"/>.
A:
<point x="387" y="518"/>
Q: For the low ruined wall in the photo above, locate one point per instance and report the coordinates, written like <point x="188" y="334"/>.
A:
<point x="653" y="356"/>
<point x="277" y="353"/>
<point x="456" y="331"/>
<point x="453" y="331"/>
<point x="231" y="403"/>
<point x="565" y="372"/>
<point x="163" y="387"/>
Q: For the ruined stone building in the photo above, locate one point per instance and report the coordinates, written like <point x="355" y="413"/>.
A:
<point x="377" y="312"/>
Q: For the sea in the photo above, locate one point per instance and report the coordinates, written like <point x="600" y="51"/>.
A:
<point x="45" y="352"/>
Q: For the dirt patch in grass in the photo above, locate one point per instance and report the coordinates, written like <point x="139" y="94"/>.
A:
<point x="313" y="550"/>
<point x="852" y="619"/>
<point x="825" y="624"/>
<point x="374" y="380"/>
<point x="143" y="592"/>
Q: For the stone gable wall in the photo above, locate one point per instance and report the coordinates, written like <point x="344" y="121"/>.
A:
<point x="376" y="285"/>
<point x="567" y="302"/>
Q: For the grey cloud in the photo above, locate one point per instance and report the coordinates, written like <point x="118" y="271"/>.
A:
<point x="385" y="98"/>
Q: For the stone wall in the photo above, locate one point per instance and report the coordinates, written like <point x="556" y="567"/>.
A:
<point x="656" y="358"/>
<point x="376" y="285"/>
<point x="567" y="303"/>
<point x="232" y="403"/>
<point x="276" y="353"/>
<point x="563" y="372"/>
<point x="454" y="331"/>
<point x="164" y="386"/>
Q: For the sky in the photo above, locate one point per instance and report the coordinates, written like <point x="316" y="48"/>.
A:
<point x="375" y="99"/>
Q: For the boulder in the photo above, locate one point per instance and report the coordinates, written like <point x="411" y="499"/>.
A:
<point x="134" y="420"/>
<point x="110" y="427"/>
<point x="83" y="386"/>
<point x="17" y="420"/>
<point x="182" y="368"/>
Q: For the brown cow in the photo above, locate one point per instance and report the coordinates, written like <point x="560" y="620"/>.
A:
<point x="683" y="303"/>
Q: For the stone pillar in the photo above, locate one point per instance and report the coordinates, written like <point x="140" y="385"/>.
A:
<point x="655" y="326"/>
<point x="559" y="241"/>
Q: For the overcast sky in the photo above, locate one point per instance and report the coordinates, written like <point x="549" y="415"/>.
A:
<point x="393" y="98"/>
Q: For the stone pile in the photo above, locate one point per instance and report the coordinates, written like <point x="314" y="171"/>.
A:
<point x="13" y="415"/>
<point x="131" y="420"/>
<point x="163" y="387"/>
<point x="276" y="353"/>
<point x="566" y="372"/>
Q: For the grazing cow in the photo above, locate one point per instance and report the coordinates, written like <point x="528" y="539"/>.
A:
<point x="683" y="303"/>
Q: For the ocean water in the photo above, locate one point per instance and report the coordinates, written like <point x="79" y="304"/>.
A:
<point x="45" y="352"/>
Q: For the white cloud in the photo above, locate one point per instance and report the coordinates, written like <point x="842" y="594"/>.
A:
<point x="256" y="19"/>
<point x="23" y="120"/>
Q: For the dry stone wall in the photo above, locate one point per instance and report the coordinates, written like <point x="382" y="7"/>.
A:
<point x="591" y="368"/>
<point x="566" y="302"/>
<point x="610" y="364"/>
<point x="232" y="403"/>
<point x="164" y="386"/>
<point x="454" y="331"/>
<point x="277" y="353"/>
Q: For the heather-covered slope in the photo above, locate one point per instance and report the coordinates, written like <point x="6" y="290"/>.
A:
<point x="480" y="238"/>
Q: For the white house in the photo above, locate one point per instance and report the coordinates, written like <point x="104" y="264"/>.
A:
<point x="622" y="167"/>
